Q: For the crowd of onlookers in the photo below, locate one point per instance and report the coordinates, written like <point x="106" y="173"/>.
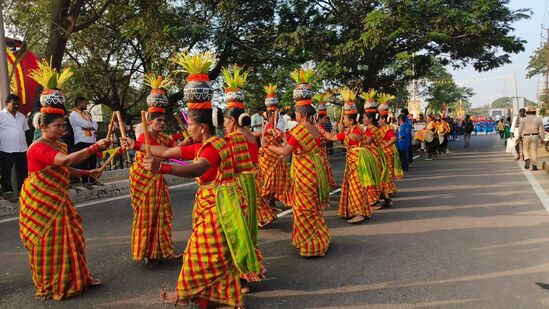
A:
<point x="18" y="131"/>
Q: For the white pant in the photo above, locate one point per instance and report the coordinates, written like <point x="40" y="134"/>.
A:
<point x="530" y="148"/>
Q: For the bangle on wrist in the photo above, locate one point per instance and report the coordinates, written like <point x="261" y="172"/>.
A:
<point x="136" y="146"/>
<point x="92" y="149"/>
<point x="165" y="168"/>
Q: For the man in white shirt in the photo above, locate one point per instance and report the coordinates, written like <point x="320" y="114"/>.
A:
<point x="287" y="118"/>
<point x="257" y="121"/>
<point x="84" y="128"/>
<point x="13" y="146"/>
<point x="293" y="122"/>
<point x="515" y="133"/>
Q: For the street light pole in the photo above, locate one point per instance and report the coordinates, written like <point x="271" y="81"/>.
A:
<point x="4" y="80"/>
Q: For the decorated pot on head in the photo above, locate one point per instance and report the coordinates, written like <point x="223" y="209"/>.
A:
<point x="52" y="99"/>
<point x="271" y="100"/>
<point x="157" y="99"/>
<point x="383" y="99"/>
<point x="197" y="92"/>
<point x="235" y="78"/>
<point x="321" y="99"/>
<point x="303" y="92"/>
<point x="370" y="104"/>
<point x="349" y="97"/>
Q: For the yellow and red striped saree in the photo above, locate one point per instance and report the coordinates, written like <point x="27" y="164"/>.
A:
<point x="152" y="212"/>
<point x="51" y="230"/>
<point x="309" y="196"/>
<point x="219" y="249"/>
<point x="274" y="172"/>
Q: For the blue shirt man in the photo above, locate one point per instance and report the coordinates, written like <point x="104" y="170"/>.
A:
<point x="404" y="138"/>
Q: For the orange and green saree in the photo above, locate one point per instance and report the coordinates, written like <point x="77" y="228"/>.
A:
<point x="310" y="193"/>
<point x="220" y="249"/>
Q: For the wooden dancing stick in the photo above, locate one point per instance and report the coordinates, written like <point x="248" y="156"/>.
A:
<point x="111" y="126"/>
<point x="109" y="160"/>
<point x="146" y="132"/>
<point x="180" y="122"/>
<point x="121" y="124"/>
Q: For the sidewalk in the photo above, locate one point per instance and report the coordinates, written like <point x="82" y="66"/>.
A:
<point x="115" y="183"/>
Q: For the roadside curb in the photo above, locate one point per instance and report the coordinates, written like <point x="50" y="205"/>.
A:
<point x="115" y="183"/>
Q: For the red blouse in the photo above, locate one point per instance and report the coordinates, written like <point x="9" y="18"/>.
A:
<point x="341" y="136"/>
<point x="209" y="153"/>
<point x="389" y="135"/>
<point x="153" y="141"/>
<point x="253" y="150"/>
<point x="294" y="143"/>
<point x="40" y="156"/>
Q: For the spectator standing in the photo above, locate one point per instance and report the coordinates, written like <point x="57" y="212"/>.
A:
<point x="469" y="128"/>
<point x="286" y="118"/>
<point x="501" y="128"/>
<point x="531" y="131"/>
<point x="293" y="122"/>
<point x="68" y="136"/>
<point x="329" y="127"/>
<point x="515" y="133"/>
<point x="84" y="128"/>
<point x="507" y="130"/>
<point x="258" y="121"/>
<point x="404" y="140"/>
<point x="36" y="125"/>
<point x="406" y="113"/>
<point x="13" y="146"/>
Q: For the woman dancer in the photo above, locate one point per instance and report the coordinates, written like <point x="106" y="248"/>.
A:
<point x="322" y="117"/>
<point x="50" y="227"/>
<point x="273" y="167"/>
<point x="387" y="145"/>
<point x="310" y="189"/>
<point x="243" y="146"/>
<point x="353" y="203"/>
<point x="150" y="197"/>
<point x="371" y="141"/>
<point x="220" y="237"/>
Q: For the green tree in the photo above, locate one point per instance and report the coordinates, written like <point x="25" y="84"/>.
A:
<point x="538" y="66"/>
<point x="439" y="88"/>
<point x="362" y="42"/>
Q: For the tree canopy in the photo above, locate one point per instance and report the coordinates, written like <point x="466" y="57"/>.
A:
<point x="363" y="44"/>
<point x="538" y="62"/>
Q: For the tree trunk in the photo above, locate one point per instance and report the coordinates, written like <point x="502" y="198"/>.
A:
<point x="59" y="35"/>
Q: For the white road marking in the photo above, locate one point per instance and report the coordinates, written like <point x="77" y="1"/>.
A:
<point x="289" y="211"/>
<point x="109" y="199"/>
<point x="540" y="192"/>
<point x="417" y="157"/>
<point x="283" y="213"/>
<point x="335" y="191"/>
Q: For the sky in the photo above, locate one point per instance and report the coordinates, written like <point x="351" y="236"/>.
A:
<point x="501" y="82"/>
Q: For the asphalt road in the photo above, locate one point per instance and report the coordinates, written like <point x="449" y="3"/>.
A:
<point x="466" y="231"/>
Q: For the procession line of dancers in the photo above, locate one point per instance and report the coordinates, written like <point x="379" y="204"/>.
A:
<point x="239" y="181"/>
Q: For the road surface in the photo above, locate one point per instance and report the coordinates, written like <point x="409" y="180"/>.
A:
<point x="467" y="231"/>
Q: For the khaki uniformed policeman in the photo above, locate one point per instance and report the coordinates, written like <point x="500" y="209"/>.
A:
<point x="531" y="131"/>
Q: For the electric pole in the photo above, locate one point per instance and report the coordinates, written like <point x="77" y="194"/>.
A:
<point x="546" y="96"/>
<point x="4" y="80"/>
